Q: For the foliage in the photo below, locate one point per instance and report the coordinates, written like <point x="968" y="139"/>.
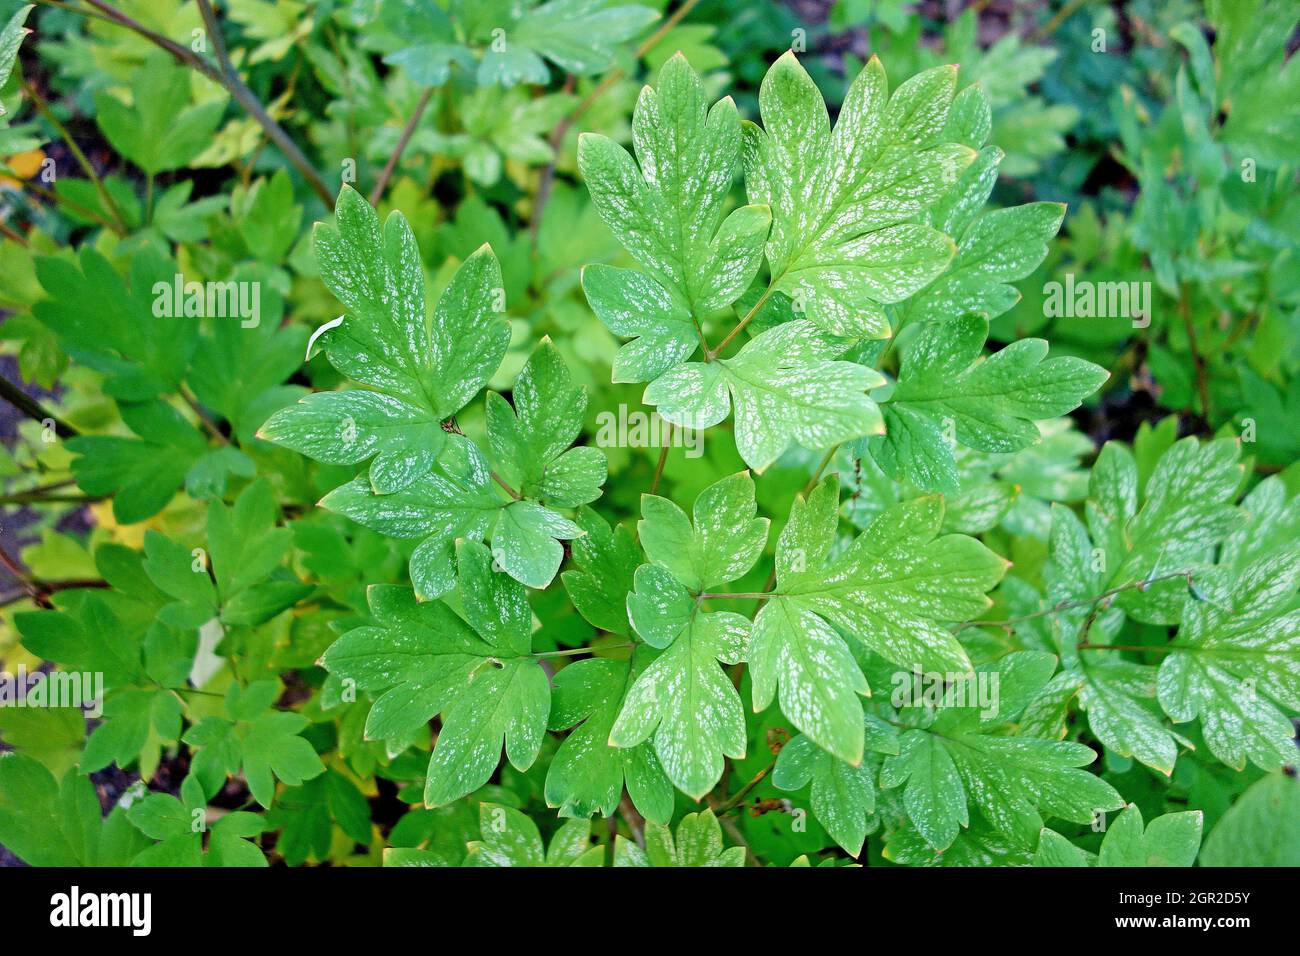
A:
<point x="673" y="462"/>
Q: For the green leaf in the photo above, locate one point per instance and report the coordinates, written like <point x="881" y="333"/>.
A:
<point x="1249" y="834"/>
<point x="270" y="221"/>
<point x="1188" y="509"/>
<point x="722" y="545"/>
<point x="587" y="774"/>
<point x="308" y="814"/>
<point x="635" y="305"/>
<point x="11" y="38"/>
<point x="265" y="742"/>
<point x="31" y="821"/>
<point x="683" y="699"/>
<point x="140" y="349"/>
<point x="961" y="758"/>
<point x="1118" y="696"/>
<point x="948" y="393"/>
<point x="891" y="591"/>
<point x="997" y="249"/>
<point x="159" y="130"/>
<point x="88" y="637"/>
<point x="606" y="560"/>
<point x="511" y="839"/>
<point x="479" y="673"/>
<point x="1169" y="840"/>
<point x="428" y="46"/>
<point x="530" y="442"/>
<point x="698" y="842"/>
<point x="843" y="240"/>
<point x="579" y="36"/>
<point x="668" y="213"/>
<point x="131" y="719"/>
<point x="1236" y="664"/>
<point x="525" y="542"/>
<point x="245" y="549"/>
<point x="785" y="388"/>
<point x="456" y="499"/>
<point x="843" y="796"/>
<point x="142" y="475"/>
<point x="180" y="826"/>
<point x="422" y="370"/>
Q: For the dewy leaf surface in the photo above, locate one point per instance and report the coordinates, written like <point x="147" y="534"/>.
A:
<point x="786" y="388"/>
<point x="422" y="369"/>
<point x="891" y="591"/>
<point x="844" y="241"/>
<point x="684" y="701"/>
<point x="667" y="209"/>
<point x="478" y="672"/>
<point x="947" y="392"/>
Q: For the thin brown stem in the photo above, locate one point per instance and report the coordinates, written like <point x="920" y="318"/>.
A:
<point x="600" y="89"/>
<point x="93" y="14"/>
<point x="228" y="78"/>
<point x="16" y="571"/>
<point x="663" y="459"/>
<point x="510" y="491"/>
<point x="735" y="799"/>
<point x="13" y="234"/>
<point x="635" y="822"/>
<point x="104" y="196"/>
<point x="713" y="353"/>
<point x="407" y="132"/>
<point x="33" y="409"/>
<point x="61" y="200"/>
<point x="1051" y="25"/>
<point x="209" y="425"/>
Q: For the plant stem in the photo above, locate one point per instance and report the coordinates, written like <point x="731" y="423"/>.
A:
<point x="1198" y="361"/>
<point x="13" y="234"/>
<point x="93" y="14"/>
<point x="407" y="131"/>
<point x="574" y="651"/>
<point x="228" y="78"/>
<point x="739" y="595"/>
<point x="663" y="459"/>
<point x="61" y="200"/>
<point x="28" y="498"/>
<point x="18" y="574"/>
<point x="1081" y="602"/>
<point x="30" y="407"/>
<point x="510" y="491"/>
<point x="735" y="799"/>
<point x="104" y="196"/>
<point x="713" y="353"/>
<point x="209" y="425"/>
<point x="1051" y="25"/>
<point x="1125" y="647"/>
